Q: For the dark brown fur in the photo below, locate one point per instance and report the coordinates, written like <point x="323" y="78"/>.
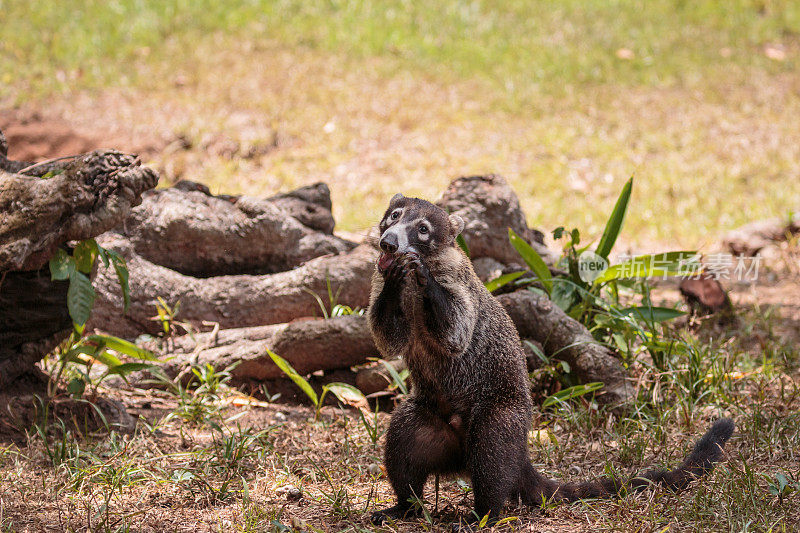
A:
<point x="470" y="408"/>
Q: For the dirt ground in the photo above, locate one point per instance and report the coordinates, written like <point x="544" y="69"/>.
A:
<point x="273" y="467"/>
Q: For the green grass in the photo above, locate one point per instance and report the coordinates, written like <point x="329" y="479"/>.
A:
<point x="520" y="46"/>
<point x="420" y="93"/>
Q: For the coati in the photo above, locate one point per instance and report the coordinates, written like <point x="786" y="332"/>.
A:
<point x="470" y="408"/>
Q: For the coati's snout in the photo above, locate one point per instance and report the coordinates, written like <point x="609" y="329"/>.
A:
<point x="389" y="242"/>
<point x="412" y="226"/>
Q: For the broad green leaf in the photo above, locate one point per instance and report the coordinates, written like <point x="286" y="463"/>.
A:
<point x="122" y="346"/>
<point x="72" y="355"/>
<point x="652" y="313"/>
<point x="122" y="274"/>
<point x="61" y="265"/>
<point x="565" y="296"/>
<point x="651" y="266"/>
<point x="110" y="360"/>
<point x="398" y="379"/>
<point x="102" y="253"/>
<point x="85" y="254"/>
<point x="532" y="259"/>
<point x="126" y="369"/>
<point x="287" y="369"/>
<point x="501" y="281"/>
<point x="614" y="224"/>
<point x="572" y="392"/>
<point x="50" y="173"/>
<point x="576" y="237"/>
<point x="348" y="394"/>
<point x="462" y="243"/>
<point x="80" y="297"/>
<point x="76" y="386"/>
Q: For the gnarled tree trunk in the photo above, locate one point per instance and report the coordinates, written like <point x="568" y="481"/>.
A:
<point x="41" y="208"/>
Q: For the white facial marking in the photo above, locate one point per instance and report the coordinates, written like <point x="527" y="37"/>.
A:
<point x="394" y="216"/>
<point x="401" y="231"/>
<point x="427" y="235"/>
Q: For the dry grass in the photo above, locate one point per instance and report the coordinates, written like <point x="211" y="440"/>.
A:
<point x="229" y="469"/>
<point x="146" y="482"/>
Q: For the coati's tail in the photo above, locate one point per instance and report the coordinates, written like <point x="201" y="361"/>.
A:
<point x="706" y="452"/>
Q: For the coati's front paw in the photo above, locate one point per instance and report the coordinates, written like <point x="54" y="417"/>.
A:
<point x="395" y="272"/>
<point x="418" y="269"/>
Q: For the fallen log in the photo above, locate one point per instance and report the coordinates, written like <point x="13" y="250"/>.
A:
<point x="308" y="345"/>
<point x="751" y="238"/>
<point x="346" y="341"/>
<point x="189" y="230"/>
<point x="566" y="339"/>
<point x="705" y="296"/>
<point x="231" y="301"/>
<point x="81" y="199"/>
<point x="33" y="320"/>
<point x="489" y="206"/>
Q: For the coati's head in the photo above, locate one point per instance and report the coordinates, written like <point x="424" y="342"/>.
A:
<point x="416" y="226"/>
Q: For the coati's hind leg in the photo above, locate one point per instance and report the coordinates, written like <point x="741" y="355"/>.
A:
<point x="496" y="458"/>
<point x="418" y="443"/>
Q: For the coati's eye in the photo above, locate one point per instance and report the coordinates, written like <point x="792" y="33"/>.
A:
<point x="395" y="214"/>
<point x="423" y="229"/>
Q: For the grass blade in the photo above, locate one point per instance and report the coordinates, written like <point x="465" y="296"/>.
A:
<point x="532" y="259"/>
<point x="401" y="384"/>
<point x="614" y="224"/>
<point x="651" y="265"/>
<point x="501" y="281"/>
<point x="299" y="380"/>
<point x="572" y="392"/>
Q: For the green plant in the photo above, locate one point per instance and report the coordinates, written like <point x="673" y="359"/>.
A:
<point x="218" y="471"/>
<point x="345" y="392"/>
<point x="166" y="315"/>
<point x="781" y="486"/>
<point x="398" y="378"/>
<point x="200" y="399"/>
<point x="333" y="309"/>
<point x="567" y="394"/>
<point x="577" y="295"/>
<point x="76" y="268"/>
<point x="615" y="304"/>
<point x="82" y="350"/>
<point x="371" y="424"/>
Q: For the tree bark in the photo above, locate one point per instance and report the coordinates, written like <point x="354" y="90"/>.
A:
<point x="231" y="301"/>
<point x="188" y="230"/>
<point x="490" y="207"/>
<point x="308" y="345"/>
<point x="89" y="196"/>
<point x="33" y="320"/>
<point x="562" y="337"/>
<point x="751" y="238"/>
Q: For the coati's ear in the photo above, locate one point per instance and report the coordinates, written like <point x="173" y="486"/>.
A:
<point x="397" y="197"/>
<point x="456" y="225"/>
